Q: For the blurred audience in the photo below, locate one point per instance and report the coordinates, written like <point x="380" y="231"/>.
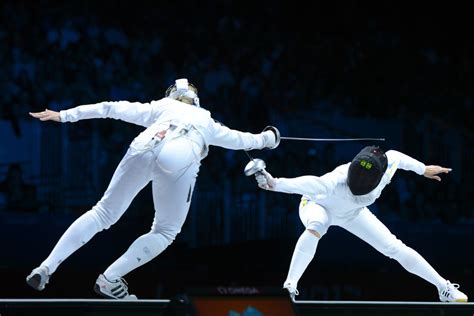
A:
<point x="78" y="54"/>
<point x="19" y="195"/>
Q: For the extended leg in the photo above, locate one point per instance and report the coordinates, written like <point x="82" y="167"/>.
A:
<point x="172" y="198"/>
<point x="316" y="221"/>
<point x="370" y="229"/>
<point x="131" y="175"/>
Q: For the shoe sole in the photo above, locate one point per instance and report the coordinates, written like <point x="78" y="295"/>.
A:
<point x="461" y="300"/>
<point x="34" y="282"/>
<point x="99" y="292"/>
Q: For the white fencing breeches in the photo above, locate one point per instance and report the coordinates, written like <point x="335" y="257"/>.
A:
<point x="172" y="167"/>
<point x="368" y="228"/>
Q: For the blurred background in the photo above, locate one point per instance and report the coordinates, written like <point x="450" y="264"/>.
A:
<point x="312" y="70"/>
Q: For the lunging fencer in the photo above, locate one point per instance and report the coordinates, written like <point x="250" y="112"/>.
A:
<point x="341" y="198"/>
<point x="168" y="153"/>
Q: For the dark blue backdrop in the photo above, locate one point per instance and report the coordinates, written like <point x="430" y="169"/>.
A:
<point x="312" y="70"/>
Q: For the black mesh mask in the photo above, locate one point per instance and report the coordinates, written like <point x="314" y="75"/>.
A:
<point x="366" y="170"/>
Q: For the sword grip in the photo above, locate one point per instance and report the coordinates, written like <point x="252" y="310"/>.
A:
<point x="254" y="167"/>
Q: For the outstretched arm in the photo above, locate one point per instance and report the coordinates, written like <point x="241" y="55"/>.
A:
<point x="304" y="185"/>
<point x="398" y="160"/>
<point x="405" y="162"/>
<point x="225" y="137"/>
<point x="133" y="112"/>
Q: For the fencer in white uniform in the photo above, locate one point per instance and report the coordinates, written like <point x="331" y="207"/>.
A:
<point x="341" y="197"/>
<point x="168" y="153"/>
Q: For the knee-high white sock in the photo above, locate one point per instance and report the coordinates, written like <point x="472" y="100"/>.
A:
<point x="304" y="252"/>
<point x="413" y="262"/>
<point x="142" y="250"/>
<point x="79" y="233"/>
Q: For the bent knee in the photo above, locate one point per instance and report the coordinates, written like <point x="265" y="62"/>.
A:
<point x="314" y="232"/>
<point x="317" y="228"/>
<point x="169" y="235"/>
<point x="163" y="238"/>
<point x="104" y="218"/>
<point x="395" y="249"/>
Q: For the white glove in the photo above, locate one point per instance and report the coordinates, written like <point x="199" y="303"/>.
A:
<point x="265" y="180"/>
<point x="271" y="137"/>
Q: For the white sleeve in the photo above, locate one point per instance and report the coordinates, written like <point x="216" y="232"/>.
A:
<point x="310" y="185"/>
<point x="143" y="114"/>
<point x="225" y="137"/>
<point x="406" y="162"/>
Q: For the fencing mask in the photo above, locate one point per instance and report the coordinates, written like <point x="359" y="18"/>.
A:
<point x="366" y="170"/>
<point x="183" y="91"/>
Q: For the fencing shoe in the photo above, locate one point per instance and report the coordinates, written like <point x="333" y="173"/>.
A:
<point x="116" y="289"/>
<point x="450" y="293"/>
<point x="38" y="278"/>
<point x="291" y="290"/>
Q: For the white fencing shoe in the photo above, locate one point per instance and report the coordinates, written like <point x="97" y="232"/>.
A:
<point x="450" y="293"/>
<point x="117" y="289"/>
<point x="38" y="278"/>
<point x="291" y="290"/>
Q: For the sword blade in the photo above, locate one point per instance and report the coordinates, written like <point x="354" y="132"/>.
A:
<point x="248" y="155"/>
<point x="331" y="139"/>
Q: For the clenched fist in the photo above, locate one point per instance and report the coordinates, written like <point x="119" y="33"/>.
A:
<point x="265" y="180"/>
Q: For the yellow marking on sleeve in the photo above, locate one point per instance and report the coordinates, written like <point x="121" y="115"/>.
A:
<point x="393" y="168"/>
